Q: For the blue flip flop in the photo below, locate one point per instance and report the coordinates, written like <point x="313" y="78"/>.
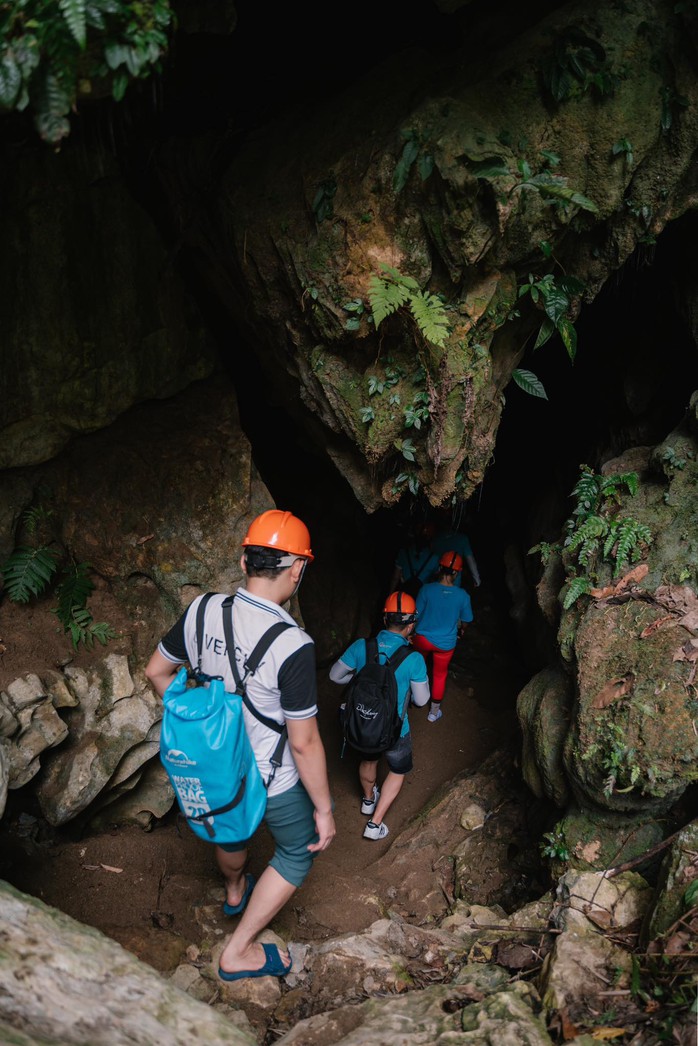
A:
<point x="237" y="909"/>
<point x="273" y="967"/>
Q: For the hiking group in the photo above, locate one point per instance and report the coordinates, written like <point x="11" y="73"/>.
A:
<point x="250" y="724"/>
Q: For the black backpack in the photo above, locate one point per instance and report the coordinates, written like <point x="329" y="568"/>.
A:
<point x="370" y="720"/>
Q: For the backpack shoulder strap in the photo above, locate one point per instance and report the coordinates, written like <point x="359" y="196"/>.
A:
<point x="371" y="650"/>
<point x="200" y="615"/>
<point x="252" y="662"/>
<point x="395" y="661"/>
<point x="399" y="656"/>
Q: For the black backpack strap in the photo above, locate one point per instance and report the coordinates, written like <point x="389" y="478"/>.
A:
<point x="395" y="661"/>
<point x="200" y="615"/>
<point x="371" y="650"/>
<point x="251" y="665"/>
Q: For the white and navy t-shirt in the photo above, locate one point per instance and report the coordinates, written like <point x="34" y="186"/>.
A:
<point x="284" y="685"/>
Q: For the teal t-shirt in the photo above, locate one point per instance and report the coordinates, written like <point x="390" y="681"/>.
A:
<point x="412" y="670"/>
<point x="439" y="609"/>
<point x="452" y="541"/>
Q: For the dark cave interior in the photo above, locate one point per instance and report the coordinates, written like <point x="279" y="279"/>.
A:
<point x="635" y="367"/>
<point x="636" y="364"/>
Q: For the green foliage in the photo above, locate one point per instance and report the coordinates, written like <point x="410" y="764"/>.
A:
<point x="616" y="758"/>
<point x="28" y="572"/>
<point x="576" y="64"/>
<point x="357" y="309"/>
<point x="555" y="845"/>
<point x="553" y="188"/>
<point x="50" y="48"/>
<point x="555" y="297"/>
<point x="392" y="291"/>
<point x="415" y="148"/>
<point x="528" y="381"/>
<point x="623" y="148"/>
<point x="323" y="203"/>
<point x="594" y="535"/>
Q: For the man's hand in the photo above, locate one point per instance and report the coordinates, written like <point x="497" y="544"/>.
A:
<point x="326" y="829"/>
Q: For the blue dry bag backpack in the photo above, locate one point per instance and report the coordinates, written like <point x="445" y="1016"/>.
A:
<point x="204" y="745"/>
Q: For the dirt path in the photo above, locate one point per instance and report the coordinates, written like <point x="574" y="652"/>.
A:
<point x="158" y="891"/>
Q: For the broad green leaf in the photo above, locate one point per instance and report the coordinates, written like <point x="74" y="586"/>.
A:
<point x="569" y="336"/>
<point x="555" y="304"/>
<point x="545" y="333"/>
<point x="425" y="166"/>
<point x="492" y="167"/>
<point x="528" y="381"/>
<point x="10" y="79"/>
<point x="404" y="164"/>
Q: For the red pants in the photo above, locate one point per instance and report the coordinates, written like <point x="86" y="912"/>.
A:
<point x="441" y="659"/>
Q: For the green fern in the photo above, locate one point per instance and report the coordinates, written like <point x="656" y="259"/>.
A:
<point x="28" y="571"/>
<point x="576" y="587"/>
<point x="73" y="590"/>
<point x="586" y="538"/>
<point x="74" y="14"/>
<point x="389" y="293"/>
<point x="628" y="536"/>
<point x="431" y="318"/>
<point x="84" y="630"/>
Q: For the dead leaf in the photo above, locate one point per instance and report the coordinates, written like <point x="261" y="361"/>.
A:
<point x="142" y="541"/>
<point x="687" y="652"/>
<point x="602" y="593"/>
<point x="614" y="690"/>
<point x="608" y="1033"/>
<point x="568" y="1028"/>
<point x="109" y="868"/>
<point x="633" y="576"/>
<point x="600" y="918"/>
<point x="91" y="867"/>
<point x="657" y="624"/>
<point x="690" y="621"/>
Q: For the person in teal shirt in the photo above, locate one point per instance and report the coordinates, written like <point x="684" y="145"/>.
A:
<point x="399" y="616"/>
<point x="453" y="540"/>
<point x="443" y="611"/>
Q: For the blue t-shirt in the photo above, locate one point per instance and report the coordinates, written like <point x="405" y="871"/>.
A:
<point x="452" y="541"/>
<point x="439" y="609"/>
<point x="419" y="563"/>
<point x="412" y="670"/>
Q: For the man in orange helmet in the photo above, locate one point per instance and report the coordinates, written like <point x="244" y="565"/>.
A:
<point x="284" y="689"/>
<point x="399" y="616"/>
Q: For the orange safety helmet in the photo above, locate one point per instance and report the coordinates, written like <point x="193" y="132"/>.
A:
<point x="282" y="531"/>
<point x="402" y="604"/>
<point x="452" y="561"/>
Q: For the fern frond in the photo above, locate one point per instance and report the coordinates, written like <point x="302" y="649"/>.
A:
<point x="431" y="317"/>
<point x="27" y="572"/>
<point x="74" y="13"/>
<point x="72" y="592"/>
<point x="591" y="529"/>
<point x="385" y="298"/>
<point x="587" y="493"/>
<point x="631" y="535"/>
<point x="578" y="586"/>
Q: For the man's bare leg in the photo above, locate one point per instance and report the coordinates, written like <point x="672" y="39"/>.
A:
<point x="242" y="952"/>
<point x="389" y="793"/>
<point x="368" y="772"/>
<point x="232" y="866"/>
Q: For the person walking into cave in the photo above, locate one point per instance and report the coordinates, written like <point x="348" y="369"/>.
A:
<point x="450" y="538"/>
<point x="299" y="811"/>
<point x="415" y="562"/>
<point x="443" y="613"/>
<point x="399" y="617"/>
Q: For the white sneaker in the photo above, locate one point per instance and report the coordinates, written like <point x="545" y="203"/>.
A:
<point x="434" y="715"/>
<point x="375" y="831"/>
<point x="369" y="805"/>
